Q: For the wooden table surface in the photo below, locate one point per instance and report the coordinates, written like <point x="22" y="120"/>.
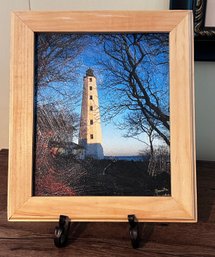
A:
<point x="111" y="239"/>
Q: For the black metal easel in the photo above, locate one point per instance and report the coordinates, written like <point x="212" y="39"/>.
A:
<point x="62" y="231"/>
<point x="134" y="231"/>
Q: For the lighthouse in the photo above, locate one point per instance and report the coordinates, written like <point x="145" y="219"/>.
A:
<point x="90" y="134"/>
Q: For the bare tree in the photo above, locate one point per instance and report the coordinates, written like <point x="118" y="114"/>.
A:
<point x="137" y="68"/>
<point x="159" y="162"/>
<point x="136" y="125"/>
<point x="55" y="55"/>
<point x="57" y="66"/>
<point x="59" y="124"/>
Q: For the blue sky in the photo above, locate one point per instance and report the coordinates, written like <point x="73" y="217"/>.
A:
<point x="113" y="141"/>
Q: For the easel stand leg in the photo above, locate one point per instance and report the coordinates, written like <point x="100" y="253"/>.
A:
<point x="62" y="231"/>
<point x="134" y="231"/>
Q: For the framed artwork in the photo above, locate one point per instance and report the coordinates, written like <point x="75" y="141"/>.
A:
<point x="204" y="26"/>
<point x="102" y="116"/>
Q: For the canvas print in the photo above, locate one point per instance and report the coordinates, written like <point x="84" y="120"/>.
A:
<point x="101" y="114"/>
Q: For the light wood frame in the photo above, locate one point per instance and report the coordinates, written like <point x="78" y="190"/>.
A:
<point x="181" y="205"/>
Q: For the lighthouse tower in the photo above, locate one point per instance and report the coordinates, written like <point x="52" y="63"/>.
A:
<point x="90" y="135"/>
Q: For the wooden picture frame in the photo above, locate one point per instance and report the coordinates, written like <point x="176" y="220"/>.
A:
<point x="181" y="205"/>
<point x="204" y="36"/>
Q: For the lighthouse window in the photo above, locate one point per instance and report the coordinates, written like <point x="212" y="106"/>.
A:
<point x="91" y="97"/>
<point x="90" y="79"/>
<point x="91" y="136"/>
<point x="91" y="108"/>
<point x="91" y="122"/>
<point x="91" y="88"/>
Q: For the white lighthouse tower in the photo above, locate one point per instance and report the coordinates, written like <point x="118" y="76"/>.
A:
<point x="90" y="135"/>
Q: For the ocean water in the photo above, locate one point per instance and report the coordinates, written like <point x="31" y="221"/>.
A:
<point x="136" y="158"/>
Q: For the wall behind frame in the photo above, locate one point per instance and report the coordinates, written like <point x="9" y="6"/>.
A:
<point x="204" y="72"/>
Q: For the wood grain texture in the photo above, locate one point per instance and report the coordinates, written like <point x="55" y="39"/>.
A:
<point x="181" y="206"/>
<point x="111" y="239"/>
<point x="96" y="21"/>
<point x="21" y="112"/>
<point x="182" y="132"/>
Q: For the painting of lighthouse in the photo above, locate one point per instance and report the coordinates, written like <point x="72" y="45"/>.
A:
<point x="101" y="114"/>
<point x="90" y="135"/>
